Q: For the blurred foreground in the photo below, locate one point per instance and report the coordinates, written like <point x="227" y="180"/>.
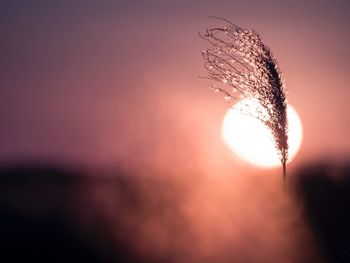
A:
<point x="54" y="214"/>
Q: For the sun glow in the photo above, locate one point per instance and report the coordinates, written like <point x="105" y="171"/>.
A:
<point x="251" y="140"/>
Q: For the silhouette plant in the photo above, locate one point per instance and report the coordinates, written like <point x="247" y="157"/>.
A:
<point x="245" y="66"/>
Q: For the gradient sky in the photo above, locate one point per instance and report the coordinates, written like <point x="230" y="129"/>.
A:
<point x="117" y="81"/>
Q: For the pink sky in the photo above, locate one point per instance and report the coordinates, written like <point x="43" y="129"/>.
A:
<point x="113" y="82"/>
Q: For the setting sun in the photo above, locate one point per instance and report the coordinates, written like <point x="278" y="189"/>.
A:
<point x="252" y="141"/>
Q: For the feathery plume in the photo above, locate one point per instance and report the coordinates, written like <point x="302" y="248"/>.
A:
<point x="246" y="68"/>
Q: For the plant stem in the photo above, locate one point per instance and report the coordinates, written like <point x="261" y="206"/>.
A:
<point x="284" y="167"/>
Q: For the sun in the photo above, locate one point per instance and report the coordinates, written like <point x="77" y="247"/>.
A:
<point x="252" y="141"/>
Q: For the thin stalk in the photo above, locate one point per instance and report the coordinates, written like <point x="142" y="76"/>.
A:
<point x="284" y="167"/>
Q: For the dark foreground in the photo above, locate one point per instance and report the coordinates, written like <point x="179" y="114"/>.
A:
<point x="54" y="214"/>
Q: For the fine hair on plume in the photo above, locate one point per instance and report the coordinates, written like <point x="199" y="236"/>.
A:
<point x="242" y="66"/>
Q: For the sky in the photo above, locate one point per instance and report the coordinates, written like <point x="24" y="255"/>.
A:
<point x="108" y="82"/>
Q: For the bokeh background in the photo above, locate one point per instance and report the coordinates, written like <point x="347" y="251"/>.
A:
<point x="105" y="125"/>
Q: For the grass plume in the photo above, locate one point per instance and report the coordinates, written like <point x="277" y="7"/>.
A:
<point x="239" y="60"/>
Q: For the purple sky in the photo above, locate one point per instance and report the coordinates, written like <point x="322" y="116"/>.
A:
<point x="102" y="82"/>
